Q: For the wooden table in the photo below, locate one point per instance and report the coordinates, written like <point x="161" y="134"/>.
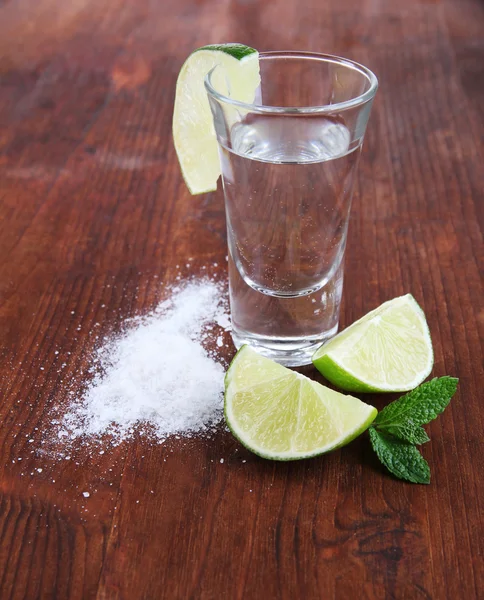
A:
<point x="94" y="216"/>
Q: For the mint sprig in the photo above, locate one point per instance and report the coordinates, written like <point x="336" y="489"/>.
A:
<point x="408" y="433"/>
<point x="421" y="405"/>
<point x="400" y="458"/>
<point x="398" y="428"/>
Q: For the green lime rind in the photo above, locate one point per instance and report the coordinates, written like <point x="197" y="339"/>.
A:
<point x="302" y="456"/>
<point x="236" y="50"/>
<point x="365" y="425"/>
<point x="387" y="350"/>
<point x="287" y="378"/>
<point x="336" y="375"/>
<point x="193" y="129"/>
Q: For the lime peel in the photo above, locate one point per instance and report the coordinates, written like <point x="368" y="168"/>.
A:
<point x="282" y="415"/>
<point x="193" y="131"/>
<point x="387" y="350"/>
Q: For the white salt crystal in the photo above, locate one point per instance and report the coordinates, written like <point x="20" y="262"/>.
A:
<point x="86" y="494"/>
<point x="223" y="321"/>
<point x="157" y="372"/>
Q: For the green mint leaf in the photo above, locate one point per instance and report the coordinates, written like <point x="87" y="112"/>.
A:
<point x="399" y="457"/>
<point x="408" y="433"/>
<point x="420" y="406"/>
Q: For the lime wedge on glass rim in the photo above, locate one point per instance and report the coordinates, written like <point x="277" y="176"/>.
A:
<point x="193" y="131"/>
<point x="387" y="350"/>
<point x="281" y="415"/>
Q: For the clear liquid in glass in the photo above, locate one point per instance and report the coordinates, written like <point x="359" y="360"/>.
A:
<point x="288" y="184"/>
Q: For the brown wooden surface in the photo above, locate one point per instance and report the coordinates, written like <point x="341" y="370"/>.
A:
<point x="92" y="208"/>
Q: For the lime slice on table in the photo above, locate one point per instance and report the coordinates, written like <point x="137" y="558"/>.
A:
<point x="282" y="415"/>
<point x="193" y="131"/>
<point x="387" y="350"/>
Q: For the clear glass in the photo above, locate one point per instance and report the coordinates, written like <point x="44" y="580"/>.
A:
<point x="288" y="167"/>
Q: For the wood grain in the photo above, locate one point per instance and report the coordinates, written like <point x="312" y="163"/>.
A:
<point x="94" y="218"/>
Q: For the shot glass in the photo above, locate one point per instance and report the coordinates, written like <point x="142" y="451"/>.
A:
<point x="288" y="165"/>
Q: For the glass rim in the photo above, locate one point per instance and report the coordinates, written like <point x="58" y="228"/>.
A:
<point x="323" y="109"/>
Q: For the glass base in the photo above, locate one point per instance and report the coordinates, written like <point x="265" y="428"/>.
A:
<point x="290" y="352"/>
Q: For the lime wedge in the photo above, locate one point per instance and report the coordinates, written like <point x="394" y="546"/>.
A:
<point x="387" y="350"/>
<point x="282" y="415"/>
<point x="193" y="131"/>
